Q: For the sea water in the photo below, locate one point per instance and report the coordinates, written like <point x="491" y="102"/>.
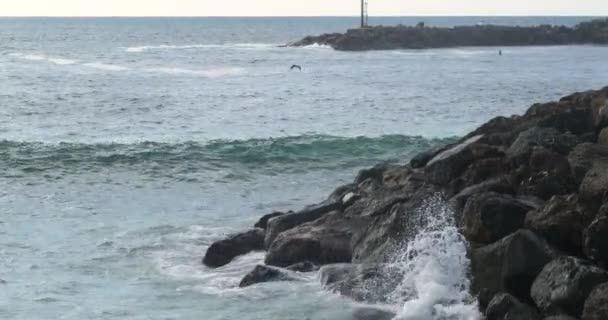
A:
<point x="128" y="145"/>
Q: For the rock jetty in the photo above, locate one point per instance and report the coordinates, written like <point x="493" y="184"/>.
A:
<point x="423" y="37"/>
<point x="529" y="193"/>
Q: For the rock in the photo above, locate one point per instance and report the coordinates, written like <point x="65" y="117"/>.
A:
<point x="498" y="185"/>
<point x="564" y="284"/>
<point x="220" y="253"/>
<point x="549" y="138"/>
<point x="584" y="157"/>
<point x="506" y="307"/>
<point x="594" y="187"/>
<point x="285" y="222"/>
<point x="549" y="174"/>
<point x="596" y="240"/>
<point x="596" y="306"/>
<point x="372" y="314"/>
<point x="509" y="265"/>
<point x="421" y="159"/>
<point x="488" y="217"/>
<point x="324" y="241"/>
<point x="370" y="283"/>
<point x="375" y="173"/>
<point x="450" y="163"/>
<point x="562" y="222"/>
<point x="602" y="138"/>
<point x="560" y="317"/>
<point x="263" y="222"/>
<point x="303" y="267"/>
<point x="261" y="274"/>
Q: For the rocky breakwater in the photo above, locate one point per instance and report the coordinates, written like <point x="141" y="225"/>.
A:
<point x="422" y="37"/>
<point x="529" y="194"/>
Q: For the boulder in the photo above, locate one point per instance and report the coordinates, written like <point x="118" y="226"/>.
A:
<point x="596" y="306"/>
<point x="562" y="222"/>
<point x="602" y="138"/>
<point x="506" y="307"/>
<point x="488" y="217"/>
<point x="324" y="241"/>
<point x="560" y="317"/>
<point x="564" y="284"/>
<point x="263" y="222"/>
<point x="450" y="163"/>
<point x="549" y="138"/>
<point x="509" y="265"/>
<point x="285" y="222"/>
<point x="261" y="274"/>
<point x="594" y="187"/>
<point x="303" y="267"/>
<point x="498" y="185"/>
<point x="375" y="173"/>
<point x="372" y="314"/>
<point x="421" y="159"/>
<point x="584" y="157"/>
<point x="220" y="253"/>
<point x="596" y="240"/>
<point x="548" y="174"/>
<point x="370" y="283"/>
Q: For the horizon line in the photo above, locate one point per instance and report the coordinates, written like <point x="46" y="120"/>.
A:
<point x="315" y="16"/>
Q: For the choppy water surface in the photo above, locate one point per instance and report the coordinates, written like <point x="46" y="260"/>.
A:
<point x="128" y="145"/>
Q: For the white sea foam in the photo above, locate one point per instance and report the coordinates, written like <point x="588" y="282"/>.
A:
<point x="104" y="66"/>
<point x="317" y="46"/>
<point x="41" y="57"/>
<point x="209" y="73"/>
<point x="140" y="49"/>
<point x="434" y="266"/>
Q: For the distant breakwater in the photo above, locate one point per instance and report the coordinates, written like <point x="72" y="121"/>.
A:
<point x="423" y="37"/>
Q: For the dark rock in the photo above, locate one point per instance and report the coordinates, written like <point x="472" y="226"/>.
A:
<point x="564" y="285"/>
<point x="326" y="240"/>
<point x="549" y="174"/>
<point x="291" y="220"/>
<point x="562" y="222"/>
<point x="222" y="252"/>
<point x="375" y="173"/>
<point x="596" y="240"/>
<point x="372" y="314"/>
<point x="506" y="307"/>
<point x="338" y="194"/>
<point x="594" y="186"/>
<point x="481" y="170"/>
<point x="549" y="138"/>
<point x="421" y="159"/>
<point x="488" y="217"/>
<point x="596" y="306"/>
<point x="498" y="185"/>
<point x="263" y="222"/>
<point x="450" y="163"/>
<point x="368" y="283"/>
<point x="261" y="274"/>
<point x="303" y="267"/>
<point x="509" y="265"/>
<point x="602" y="137"/>
<point x="560" y="317"/>
<point x="584" y="157"/>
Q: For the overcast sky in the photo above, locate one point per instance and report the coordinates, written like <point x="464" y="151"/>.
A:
<point x="298" y="7"/>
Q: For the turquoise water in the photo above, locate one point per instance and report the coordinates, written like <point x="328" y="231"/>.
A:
<point x="128" y="145"/>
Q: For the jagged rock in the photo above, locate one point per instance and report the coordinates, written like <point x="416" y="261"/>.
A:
<point x="602" y="138"/>
<point x="263" y="222"/>
<point x="285" y="222"/>
<point x="222" y="252"/>
<point x="564" y="284"/>
<point x="584" y="157"/>
<point x="372" y="314"/>
<point x="509" y="265"/>
<point x="326" y="240"/>
<point x="303" y="267"/>
<point x="498" y="185"/>
<point x="488" y="217"/>
<point x="549" y="138"/>
<point x="596" y="306"/>
<point x="596" y="240"/>
<point x="562" y="222"/>
<point x="261" y="274"/>
<point x="506" y="307"/>
<point x="370" y="283"/>
<point x="450" y="163"/>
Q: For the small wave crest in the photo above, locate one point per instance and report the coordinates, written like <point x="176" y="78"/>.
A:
<point x="140" y="49"/>
<point x="210" y="73"/>
<point x="41" y="57"/>
<point x="282" y="154"/>
<point x="104" y="66"/>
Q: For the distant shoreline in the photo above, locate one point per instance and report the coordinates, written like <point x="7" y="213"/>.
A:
<point x="425" y="37"/>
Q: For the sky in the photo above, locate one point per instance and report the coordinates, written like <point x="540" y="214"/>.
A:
<point x="299" y="7"/>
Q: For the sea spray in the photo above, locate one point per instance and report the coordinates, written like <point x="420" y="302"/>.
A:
<point x="434" y="267"/>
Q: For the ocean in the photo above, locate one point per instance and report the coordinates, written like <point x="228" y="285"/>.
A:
<point x="128" y="145"/>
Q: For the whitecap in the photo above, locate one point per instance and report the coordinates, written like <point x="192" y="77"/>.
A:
<point x="317" y="46"/>
<point x="42" y="57"/>
<point x="106" y="67"/>
<point x="140" y="49"/>
<point x="209" y="73"/>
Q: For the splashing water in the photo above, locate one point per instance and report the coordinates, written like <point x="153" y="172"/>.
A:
<point x="434" y="266"/>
